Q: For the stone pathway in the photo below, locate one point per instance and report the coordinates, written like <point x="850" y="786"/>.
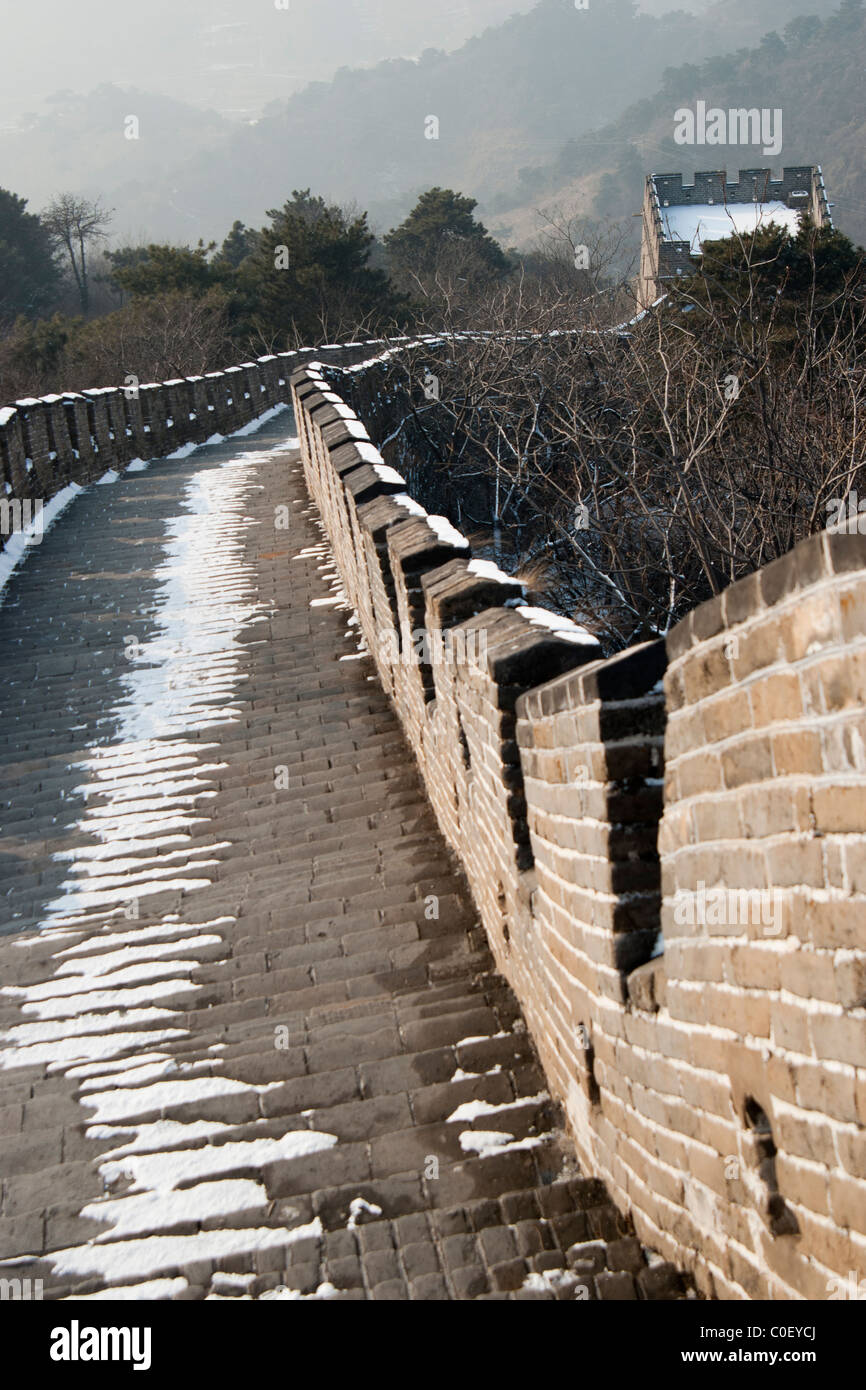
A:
<point x="253" y="1044"/>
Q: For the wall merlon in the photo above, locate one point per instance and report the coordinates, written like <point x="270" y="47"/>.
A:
<point x="416" y="547"/>
<point x="454" y="593"/>
<point x="545" y="766"/>
<point x="342" y="432"/>
<point x="364" y="484"/>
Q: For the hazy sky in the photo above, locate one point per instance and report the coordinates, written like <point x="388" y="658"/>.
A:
<point x="233" y="54"/>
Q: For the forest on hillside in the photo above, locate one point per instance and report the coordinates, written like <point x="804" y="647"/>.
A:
<point x="811" y="71"/>
<point x="75" y="311"/>
<point x="507" y="103"/>
<point x="629" y="474"/>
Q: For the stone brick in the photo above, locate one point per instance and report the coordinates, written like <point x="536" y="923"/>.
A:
<point x="390" y="1291"/>
<point x="429" y="1287"/>
<point x="625" y="1254"/>
<point x="470" y="1282"/>
<point x="660" y="1281"/>
<point x="588" y="1257"/>
<point x="497" y="1244"/>
<point x="380" y="1266"/>
<point x="509" y="1276"/>
<point x="618" y="1286"/>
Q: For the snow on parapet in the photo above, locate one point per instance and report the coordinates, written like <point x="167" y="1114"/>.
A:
<point x="398" y="346"/>
<point x="486" y="569"/>
<point x="368" y="452"/>
<point x="410" y="504"/>
<point x="356" y="429"/>
<point x="439" y="525"/>
<point x="560" y="627"/>
<point x="446" y="533"/>
<point x="385" y="474"/>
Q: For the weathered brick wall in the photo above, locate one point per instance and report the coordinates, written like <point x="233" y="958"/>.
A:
<point x="666" y="848"/>
<point x="713" y="787"/>
<point x="765" y="812"/>
<point x="49" y="442"/>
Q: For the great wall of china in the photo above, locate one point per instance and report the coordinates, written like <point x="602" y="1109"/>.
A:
<point x="667" y="848"/>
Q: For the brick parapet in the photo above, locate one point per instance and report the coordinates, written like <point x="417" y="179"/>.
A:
<point x="48" y="442"/>
<point x="715" y="1078"/>
<point x="666" y="847"/>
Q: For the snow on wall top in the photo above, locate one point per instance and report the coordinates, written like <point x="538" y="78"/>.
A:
<point x="702" y="222"/>
<point x="487" y="570"/>
<point x="561" y="627"/>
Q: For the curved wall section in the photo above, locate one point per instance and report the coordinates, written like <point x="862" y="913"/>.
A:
<point x="667" y="851"/>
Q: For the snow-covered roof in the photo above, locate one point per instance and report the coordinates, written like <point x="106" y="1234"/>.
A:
<point x="700" y="222"/>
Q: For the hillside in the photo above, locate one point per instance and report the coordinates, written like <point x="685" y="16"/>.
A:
<point x="217" y="54"/>
<point x="813" y="73"/>
<point x="507" y="101"/>
<point x="79" y="143"/>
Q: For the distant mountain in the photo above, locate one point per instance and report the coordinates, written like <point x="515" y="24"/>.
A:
<point x="505" y="100"/>
<point x="812" y="73"/>
<point x="81" y="143"/>
<point x="219" y="54"/>
<point x="507" y="103"/>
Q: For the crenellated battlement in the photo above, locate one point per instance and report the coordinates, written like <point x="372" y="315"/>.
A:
<point x="666" y="253"/>
<point x="665" y="848"/>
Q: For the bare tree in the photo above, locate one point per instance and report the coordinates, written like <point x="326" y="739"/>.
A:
<point x="73" y="224"/>
<point x="169" y="335"/>
<point x="630" y="472"/>
<point x="577" y="252"/>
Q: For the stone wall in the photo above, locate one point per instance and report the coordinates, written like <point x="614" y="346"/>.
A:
<point x="663" y="259"/>
<point x="50" y="442"/>
<point x="750" y="185"/>
<point x="667" y="851"/>
<point x="666" y="847"/>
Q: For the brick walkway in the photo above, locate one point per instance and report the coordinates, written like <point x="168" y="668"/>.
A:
<point x="256" y="1042"/>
